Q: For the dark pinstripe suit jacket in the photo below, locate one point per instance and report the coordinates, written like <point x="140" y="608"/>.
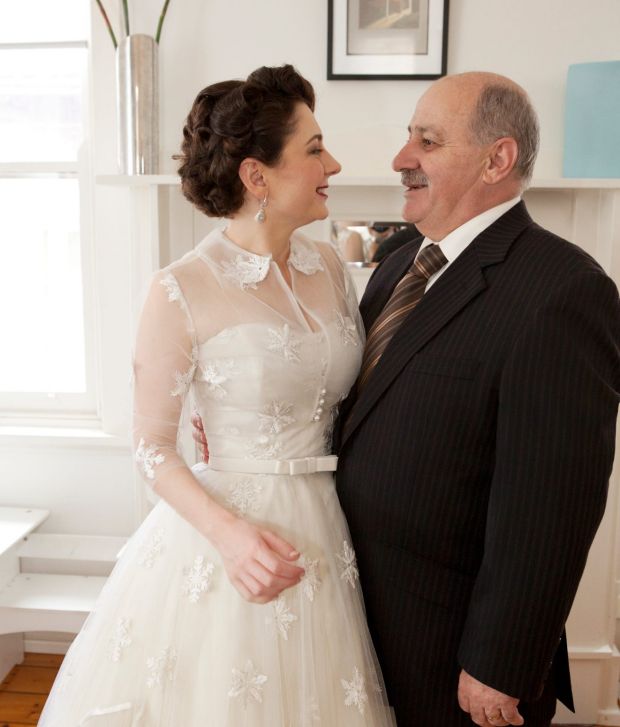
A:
<point x="475" y="466"/>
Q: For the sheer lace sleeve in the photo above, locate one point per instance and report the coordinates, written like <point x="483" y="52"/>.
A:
<point x="352" y="301"/>
<point x="164" y="366"/>
<point x="344" y="285"/>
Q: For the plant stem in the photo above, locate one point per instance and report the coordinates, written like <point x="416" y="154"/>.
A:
<point x="126" y="13"/>
<point x="164" y="10"/>
<point x="107" y="22"/>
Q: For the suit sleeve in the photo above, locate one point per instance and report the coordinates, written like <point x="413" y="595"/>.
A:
<point x="558" y="399"/>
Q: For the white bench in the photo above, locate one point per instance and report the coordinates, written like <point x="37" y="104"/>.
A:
<point x="40" y="601"/>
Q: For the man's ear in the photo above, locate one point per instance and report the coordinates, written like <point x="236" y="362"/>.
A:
<point x="251" y="174"/>
<point x="501" y="160"/>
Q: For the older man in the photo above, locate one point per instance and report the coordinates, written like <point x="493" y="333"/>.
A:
<point x="476" y="448"/>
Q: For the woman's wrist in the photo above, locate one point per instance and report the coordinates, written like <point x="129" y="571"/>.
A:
<point x="218" y="520"/>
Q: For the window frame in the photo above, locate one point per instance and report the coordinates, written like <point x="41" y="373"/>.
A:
<point x="64" y="408"/>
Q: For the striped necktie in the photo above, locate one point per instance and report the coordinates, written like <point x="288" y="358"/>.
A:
<point x="405" y="297"/>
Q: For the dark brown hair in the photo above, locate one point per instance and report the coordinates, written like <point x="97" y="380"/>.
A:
<point x="230" y="121"/>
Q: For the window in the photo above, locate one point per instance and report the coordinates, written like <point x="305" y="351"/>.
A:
<point x="46" y="362"/>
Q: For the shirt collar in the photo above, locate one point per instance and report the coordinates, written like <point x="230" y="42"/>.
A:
<point x="456" y="241"/>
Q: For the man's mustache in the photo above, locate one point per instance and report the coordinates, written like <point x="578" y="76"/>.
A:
<point x="413" y="178"/>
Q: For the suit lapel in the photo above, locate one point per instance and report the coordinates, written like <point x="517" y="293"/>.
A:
<point x="459" y="285"/>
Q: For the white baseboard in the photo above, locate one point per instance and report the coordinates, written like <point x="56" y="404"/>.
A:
<point x="40" y="646"/>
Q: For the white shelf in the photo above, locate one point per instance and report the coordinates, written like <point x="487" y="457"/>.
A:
<point x="93" y="548"/>
<point x="40" y="602"/>
<point x="138" y="180"/>
<point x="568" y="183"/>
<point x="16" y="523"/>
<point x="42" y="592"/>
<point x="154" y="180"/>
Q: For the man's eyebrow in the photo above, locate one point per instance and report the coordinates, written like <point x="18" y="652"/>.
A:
<point x="318" y="137"/>
<point x="424" y="129"/>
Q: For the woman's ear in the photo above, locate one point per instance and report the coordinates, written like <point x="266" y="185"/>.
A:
<point x="251" y="174"/>
<point x="501" y="160"/>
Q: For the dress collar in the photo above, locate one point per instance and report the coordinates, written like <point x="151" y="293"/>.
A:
<point x="247" y="269"/>
<point x="304" y="257"/>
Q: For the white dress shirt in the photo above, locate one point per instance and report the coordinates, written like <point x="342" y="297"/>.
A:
<point x="456" y="241"/>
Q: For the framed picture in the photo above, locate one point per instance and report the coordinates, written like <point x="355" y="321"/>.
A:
<point x="387" y="39"/>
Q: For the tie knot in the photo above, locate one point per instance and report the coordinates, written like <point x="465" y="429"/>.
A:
<point x="429" y="261"/>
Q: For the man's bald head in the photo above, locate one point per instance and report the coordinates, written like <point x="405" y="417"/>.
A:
<point x="499" y="108"/>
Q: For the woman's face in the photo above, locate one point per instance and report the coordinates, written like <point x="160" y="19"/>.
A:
<point x="297" y="184"/>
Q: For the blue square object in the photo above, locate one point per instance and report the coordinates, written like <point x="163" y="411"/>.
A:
<point x="592" y="121"/>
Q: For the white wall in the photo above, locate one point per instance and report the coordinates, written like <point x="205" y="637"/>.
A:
<point x="532" y="41"/>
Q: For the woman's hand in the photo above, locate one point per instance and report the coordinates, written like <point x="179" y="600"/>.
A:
<point x="259" y="563"/>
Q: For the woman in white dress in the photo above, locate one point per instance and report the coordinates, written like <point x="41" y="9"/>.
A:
<point x="237" y="602"/>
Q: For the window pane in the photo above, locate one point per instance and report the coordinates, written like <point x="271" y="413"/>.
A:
<point x="41" y="103"/>
<point x="43" y="20"/>
<point x="41" y="291"/>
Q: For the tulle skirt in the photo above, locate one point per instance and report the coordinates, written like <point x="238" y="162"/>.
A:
<point x="171" y="643"/>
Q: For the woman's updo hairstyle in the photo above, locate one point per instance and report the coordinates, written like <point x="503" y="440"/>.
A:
<point x="230" y="121"/>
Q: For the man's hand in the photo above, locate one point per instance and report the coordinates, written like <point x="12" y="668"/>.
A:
<point x="486" y="706"/>
<point x="198" y="435"/>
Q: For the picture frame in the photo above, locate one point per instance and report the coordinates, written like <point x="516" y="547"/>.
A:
<point x="387" y="39"/>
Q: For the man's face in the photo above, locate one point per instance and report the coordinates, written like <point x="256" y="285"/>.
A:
<point x="441" y="166"/>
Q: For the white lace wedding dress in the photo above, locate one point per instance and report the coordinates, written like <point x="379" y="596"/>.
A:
<point x="171" y="643"/>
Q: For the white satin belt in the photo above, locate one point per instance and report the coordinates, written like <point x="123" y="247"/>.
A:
<point x="301" y="466"/>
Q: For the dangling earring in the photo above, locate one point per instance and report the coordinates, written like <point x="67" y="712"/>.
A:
<point x="260" y="215"/>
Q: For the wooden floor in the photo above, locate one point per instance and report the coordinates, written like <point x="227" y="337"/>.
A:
<point x="25" y="689"/>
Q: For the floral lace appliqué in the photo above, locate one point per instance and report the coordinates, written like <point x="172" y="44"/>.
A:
<point x="245" y="496"/>
<point x="349" y="571"/>
<point x="311" y="582"/>
<point x="197" y="579"/>
<point x="161" y="667"/>
<point x="355" y="691"/>
<point x="121" y="639"/>
<point x="276" y="417"/>
<point x="264" y="448"/>
<point x="347" y="329"/>
<point x="285" y="342"/>
<point x="149" y="458"/>
<point x="216" y="373"/>
<point x="247" y="270"/>
<point x="304" y="259"/>
<point x="152" y="548"/>
<point x="247" y="683"/>
<point x="182" y="381"/>
<point x="172" y="287"/>
<point x="281" y="617"/>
